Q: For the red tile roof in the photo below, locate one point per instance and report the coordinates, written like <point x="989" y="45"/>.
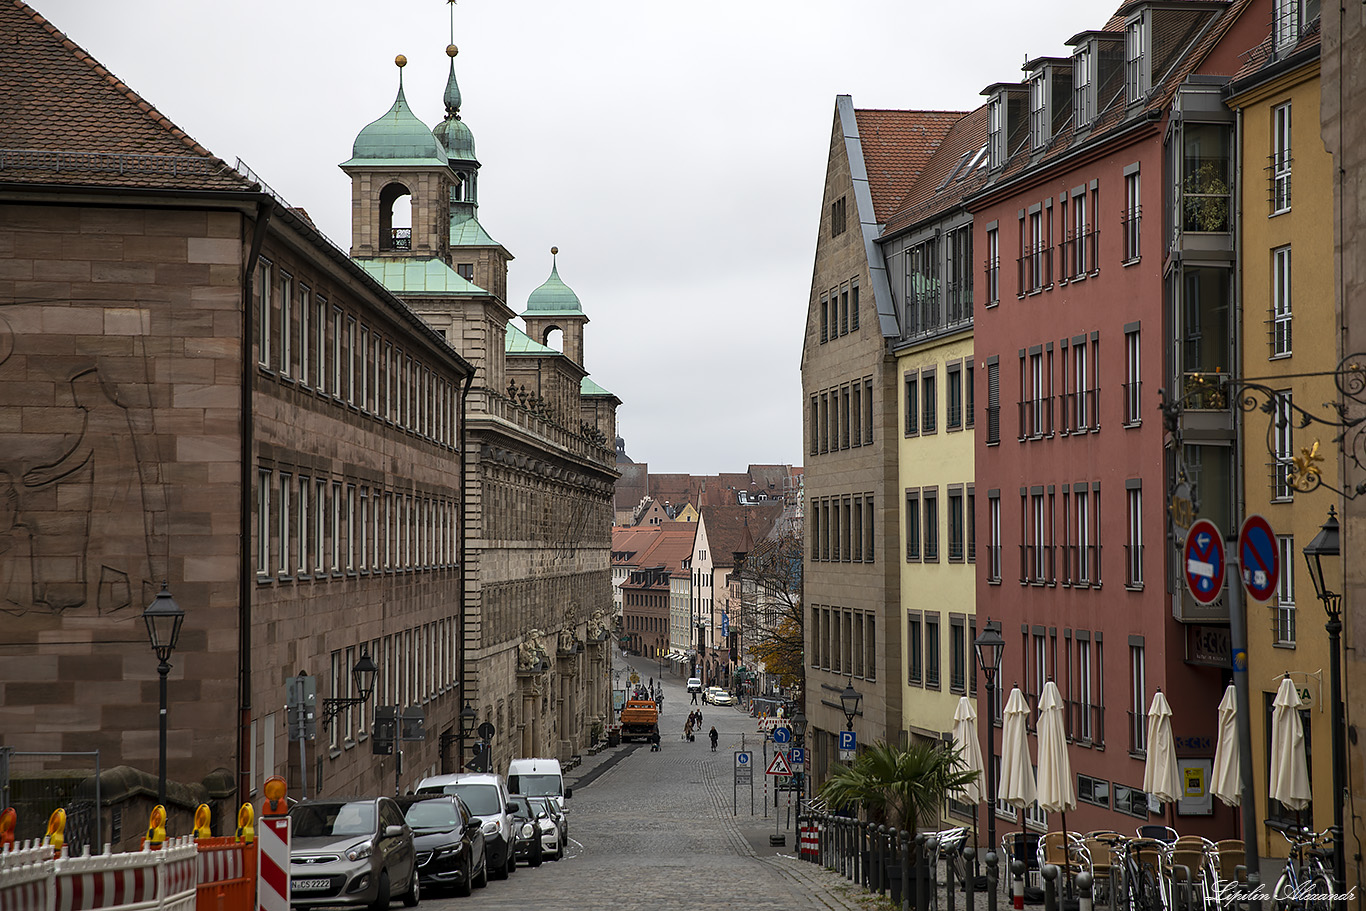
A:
<point x="79" y="124"/>
<point x="670" y="548"/>
<point x="967" y="137"/>
<point x="726" y="527"/>
<point x="896" y="145"/>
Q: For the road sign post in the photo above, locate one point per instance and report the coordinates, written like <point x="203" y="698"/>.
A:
<point x="1204" y="562"/>
<point x="744" y="774"/>
<point x="848" y="745"/>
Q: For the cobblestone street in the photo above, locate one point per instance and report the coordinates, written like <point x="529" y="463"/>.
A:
<point x="656" y="831"/>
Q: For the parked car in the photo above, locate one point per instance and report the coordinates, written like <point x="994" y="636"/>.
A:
<point x="449" y="841"/>
<point x="540" y="778"/>
<point x="486" y="795"/>
<point x="694" y="684"/>
<point x="717" y="696"/>
<point x="351" y="852"/>
<point x="553" y="824"/>
<point x="531" y="845"/>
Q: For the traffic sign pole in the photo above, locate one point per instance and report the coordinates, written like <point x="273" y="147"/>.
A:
<point x="1237" y="630"/>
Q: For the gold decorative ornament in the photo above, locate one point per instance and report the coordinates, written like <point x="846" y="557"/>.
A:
<point x="1304" y="473"/>
<point x="452" y="50"/>
<point x="554" y="251"/>
<point x="400" y="61"/>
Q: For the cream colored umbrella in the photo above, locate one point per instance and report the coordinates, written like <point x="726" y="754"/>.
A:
<point x="1228" y="778"/>
<point x="1055" y="791"/>
<point x="970" y="749"/>
<point x="1017" y="773"/>
<point x="1161" y="777"/>
<point x="1289" y="766"/>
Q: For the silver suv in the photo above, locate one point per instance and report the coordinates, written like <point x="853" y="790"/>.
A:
<point x="486" y="794"/>
<point x="351" y="852"/>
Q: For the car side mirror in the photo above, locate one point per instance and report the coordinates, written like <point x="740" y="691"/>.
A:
<point x="476" y="821"/>
<point x="568" y="793"/>
<point x="393" y="831"/>
<point x="510" y="808"/>
<point x="474" y="825"/>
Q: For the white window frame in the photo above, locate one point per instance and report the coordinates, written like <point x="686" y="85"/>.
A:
<point x="305" y="531"/>
<point x="286" y="484"/>
<point x="305" y="330"/>
<point x="1138" y="687"/>
<point x="1283" y="441"/>
<point x="265" y="276"/>
<point x="1285" y="592"/>
<point x="1134" y="499"/>
<point x="1082" y="496"/>
<point x="1133" y="211"/>
<point x="1081" y="82"/>
<point x="1281" y="139"/>
<point x="1084" y="678"/>
<point x="1282" y="310"/>
<point x="1133" y="377"/>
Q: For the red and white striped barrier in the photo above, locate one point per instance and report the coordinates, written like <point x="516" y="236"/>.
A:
<point x="272" y="883"/>
<point x="811" y="840"/>
<point x="146" y="880"/>
<point x="218" y="865"/>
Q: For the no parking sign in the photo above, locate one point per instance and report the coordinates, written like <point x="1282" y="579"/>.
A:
<point x="1259" y="558"/>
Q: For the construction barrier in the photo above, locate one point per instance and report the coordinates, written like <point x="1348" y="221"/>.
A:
<point x="227" y="875"/>
<point x="31" y="879"/>
<point x="810" y="841"/>
<point x="272" y="840"/>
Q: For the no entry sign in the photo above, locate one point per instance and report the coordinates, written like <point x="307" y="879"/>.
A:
<point x="1205" y="564"/>
<point x="1259" y="558"/>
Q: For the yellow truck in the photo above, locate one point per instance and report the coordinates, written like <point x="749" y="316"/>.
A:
<point x="639" y="720"/>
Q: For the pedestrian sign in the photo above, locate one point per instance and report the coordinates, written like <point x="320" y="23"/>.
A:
<point x="1204" y="563"/>
<point x="782" y="735"/>
<point x="1259" y="558"/>
<point x="778" y="766"/>
<point x="742" y="759"/>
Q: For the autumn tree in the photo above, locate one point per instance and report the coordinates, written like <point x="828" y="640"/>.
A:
<point x="771" y="599"/>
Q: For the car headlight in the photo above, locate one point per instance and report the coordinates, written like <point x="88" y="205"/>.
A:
<point x="527" y="830"/>
<point x="359" y="852"/>
<point x="493" y="827"/>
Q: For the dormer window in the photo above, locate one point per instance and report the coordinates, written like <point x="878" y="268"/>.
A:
<point x="1291" y="18"/>
<point x="1083" y="87"/>
<point x="996" y="140"/>
<point x="1137" y="76"/>
<point x="1038" y="111"/>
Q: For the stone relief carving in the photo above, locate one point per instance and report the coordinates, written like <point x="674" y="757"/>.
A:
<point x="531" y="654"/>
<point x="75" y="525"/>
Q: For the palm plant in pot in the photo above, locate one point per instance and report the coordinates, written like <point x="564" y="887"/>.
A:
<point x="900" y="787"/>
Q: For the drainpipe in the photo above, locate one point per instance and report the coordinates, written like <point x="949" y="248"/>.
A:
<point x="264" y="209"/>
<point x="464" y="526"/>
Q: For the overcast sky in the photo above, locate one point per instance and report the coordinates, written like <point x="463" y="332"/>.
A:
<point x="674" y="152"/>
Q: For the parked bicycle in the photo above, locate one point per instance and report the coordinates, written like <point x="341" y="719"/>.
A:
<point x="1143" y="865"/>
<point x="1306" y="882"/>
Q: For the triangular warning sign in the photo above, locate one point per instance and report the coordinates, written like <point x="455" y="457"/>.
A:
<point x="778" y="766"/>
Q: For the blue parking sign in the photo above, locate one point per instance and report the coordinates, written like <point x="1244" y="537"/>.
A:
<point x="848" y="741"/>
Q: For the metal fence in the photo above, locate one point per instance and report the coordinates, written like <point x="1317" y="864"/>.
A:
<point x="35" y="784"/>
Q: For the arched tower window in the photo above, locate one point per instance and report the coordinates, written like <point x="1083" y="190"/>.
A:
<point x="395" y="218"/>
<point x="461" y="185"/>
<point x="554" y="338"/>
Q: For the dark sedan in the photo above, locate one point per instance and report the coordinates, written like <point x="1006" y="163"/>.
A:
<point x="449" y="841"/>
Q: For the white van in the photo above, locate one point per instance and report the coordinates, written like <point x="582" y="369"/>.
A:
<point x="540" y="778"/>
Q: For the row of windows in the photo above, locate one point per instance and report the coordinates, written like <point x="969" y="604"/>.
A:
<point x="1074" y="224"/>
<point x="1059" y="390"/>
<point x="842" y="528"/>
<point x="924" y="645"/>
<point x="844" y="641"/>
<point x="935" y="282"/>
<point x="1079" y="674"/>
<point x="842" y="417"/>
<point x="1059" y="533"/>
<point x="839" y="311"/>
<point x="304" y="340"/>
<point x="413" y="666"/>
<point x="922" y="398"/>
<point x="318" y="527"/>
<point x="923" y="528"/>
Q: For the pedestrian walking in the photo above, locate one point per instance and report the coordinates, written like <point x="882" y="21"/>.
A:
<point x="694" y="697"/>
<point x="687" y="730"/>
<point x="714" y="737"/>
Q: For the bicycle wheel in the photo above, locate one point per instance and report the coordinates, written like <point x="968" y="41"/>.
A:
<point x="1283" y="893"/>
<point x="1320" y="893"/>
<point x="1148" y="894"/>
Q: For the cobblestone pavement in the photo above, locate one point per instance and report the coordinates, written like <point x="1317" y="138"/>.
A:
<point x="656" y="831"/>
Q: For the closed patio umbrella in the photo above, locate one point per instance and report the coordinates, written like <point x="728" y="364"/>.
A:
<point x="965" y="739"/>
<point x="1228" y="779"/>
<point x="1055" y="791"/>
<point x="1017" y="773"/>
<point x="1161" y="778"/>
<point x="1289" y="766"/>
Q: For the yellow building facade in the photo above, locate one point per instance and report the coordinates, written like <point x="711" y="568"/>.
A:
<point x="938" y="553"/>
<point x="1288" y="330"/>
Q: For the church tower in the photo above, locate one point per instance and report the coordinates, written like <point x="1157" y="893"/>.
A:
<point x="552" y="306"/>
<point x="394" y="157"/>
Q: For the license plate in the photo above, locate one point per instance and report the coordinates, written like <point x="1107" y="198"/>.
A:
<point x="310" y="885"/>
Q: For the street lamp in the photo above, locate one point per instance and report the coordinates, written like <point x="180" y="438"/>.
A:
<point x="363" y="681"/>
<point x="163" y="618"/>
<point x="849" y="701"/>
<point x="990" y="647"/>
<point x="1325" y="544"/>
<point x="468" y="718"/>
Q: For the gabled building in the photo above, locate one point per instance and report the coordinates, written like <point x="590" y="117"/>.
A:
<point x="1106" y="226"/>
<point x="650" y="597"/>
<point x="850" y="388"/>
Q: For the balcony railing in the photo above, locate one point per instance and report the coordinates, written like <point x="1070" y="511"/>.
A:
<point x="1080" y="411"/>
<point x="1035" y="269"/>
<point x="993" y="563"/>
<point x="1132" y="221"/>
<point x="1082" y="564"/>
<point x="1037" y="564"/>
<point x="1036" y="418"/>
<point x="1079" y="254"/>
<point x="1085" y="722"/>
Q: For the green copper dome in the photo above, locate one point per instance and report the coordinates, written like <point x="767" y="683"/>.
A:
<point x="455" y="137"/>
<point x="554" y="297"/>
<point x="397" y="136"/>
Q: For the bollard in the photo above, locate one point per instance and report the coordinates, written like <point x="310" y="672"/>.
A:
<point x="970" y="884"/>
<point x="922" y="881"/>
<point x="880" y="861"/>
<point x="904" y="843"/>
<point x="993" y="876"/>
<point x="1017" y="872"/>
<point x="1049" y="872"/>
<point x="846" y="869"/>
<point x="1084" y="882"/>
<point x="948" y="880"/>
<point x="932" y="867"/>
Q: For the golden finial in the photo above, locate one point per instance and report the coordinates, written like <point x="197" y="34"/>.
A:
<point x="400" y="61"/>
<point x="452" y="50"/>
<point x="554" y="251"/>
<point x="1304" y="471"/>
